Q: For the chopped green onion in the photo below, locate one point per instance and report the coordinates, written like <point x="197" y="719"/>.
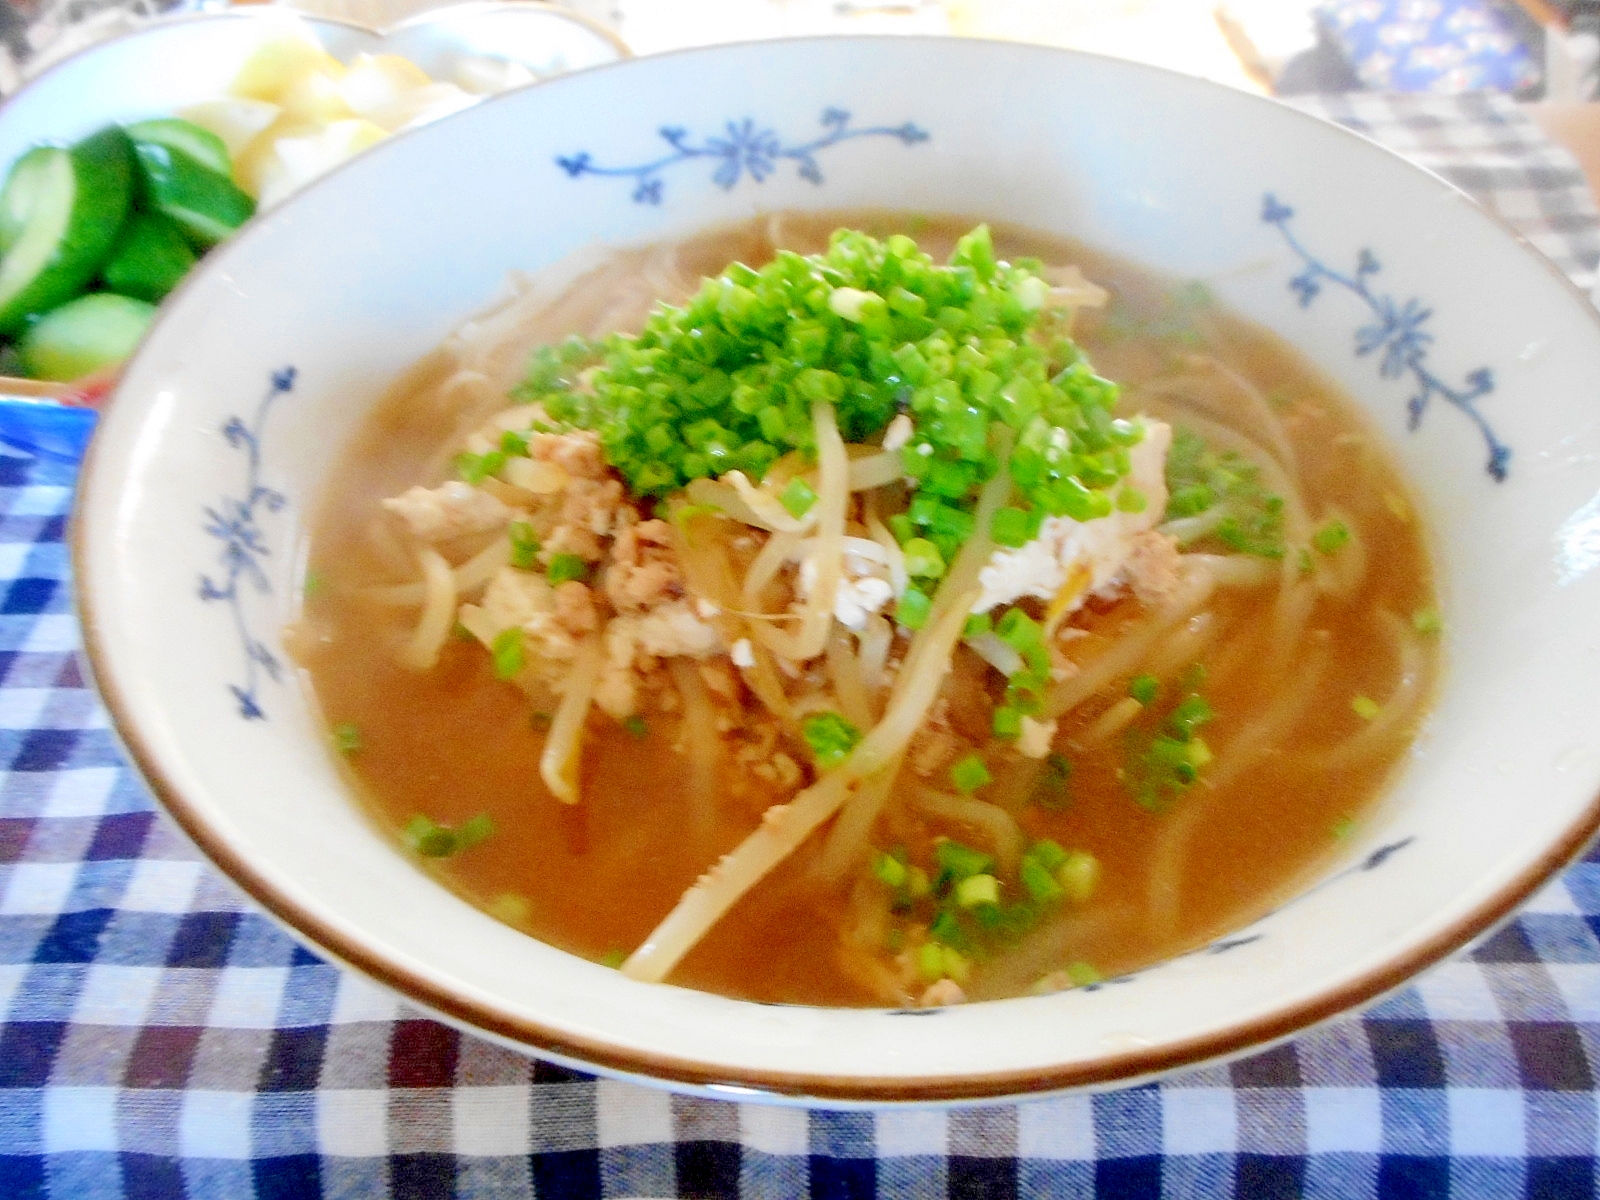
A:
<point x="1200" y="478"/>
<point x="1330" y="537"/>
<point x="473" y="830"/>
<point x="1191" y="713"/>
<point x="508" y="653"/>
<point x="1014" y="527"/>
<point x="566" y="566"/>
<point x="1144" y="689"/>
<point x="1019" y="631"/>
<point x="524" y="545"/>
<point x="977" y="889"/>
<point x="970" y="773"/>
<point x="346" y="737"/>
<point x="830" y="737"/>
<point x="977" y="625"/>
<point x="1343" y="828"/>
<point x="1007" y="722"/>
<point x="1082" y="974"/>
<point x="913" y="609"/>
<point x="432" y="840"/>
<point x="1040" y="883"/>
<point x="614" y="959"/>
<point x="923" y="560"/>
<point x="1365" y="707"/>
<point x="509" y="907"/>
<point x="873" y="328"/>
<point x="636" y="727"/>
<point x="313" y="585"/>
<point x="958" y="862"/>
<point x="1079" y="876"/>
<point x="1427" y="620"/>
<point x="1051" y="792"/>
<point x="930" y="962"/>
<point x="891" y="872"/>
<point x="797" y="497"/>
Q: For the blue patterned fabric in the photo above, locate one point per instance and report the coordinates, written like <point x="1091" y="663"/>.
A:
<point x="161" y="1039"/>
<point x="1440" y="46"/>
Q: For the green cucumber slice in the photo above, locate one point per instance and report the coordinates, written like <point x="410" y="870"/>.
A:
<point x="205" y="205"/>
<point x="148" y="259"/>
<point x="84" y="336"/>
<point x="22" y="188"/>
<point x="205" y="147"/>
<point x="80" y="200"/>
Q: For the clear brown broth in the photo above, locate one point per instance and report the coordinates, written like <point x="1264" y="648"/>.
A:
<point x="596" y="878"/>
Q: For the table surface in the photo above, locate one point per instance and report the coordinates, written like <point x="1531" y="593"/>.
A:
<point x="160" y="1037"/>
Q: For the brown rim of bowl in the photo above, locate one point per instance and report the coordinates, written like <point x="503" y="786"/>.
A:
<point x="1111" y="1071"/>
<point x="1121" y="1068"/>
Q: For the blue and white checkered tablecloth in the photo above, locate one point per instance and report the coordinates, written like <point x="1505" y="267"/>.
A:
<point x="160" y="1038"/>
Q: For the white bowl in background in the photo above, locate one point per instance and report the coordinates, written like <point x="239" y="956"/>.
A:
<point x="228" y="427"/>
<point x="171" y="63"/>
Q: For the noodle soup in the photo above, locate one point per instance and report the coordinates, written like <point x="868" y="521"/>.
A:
<point x="787" y="707"/>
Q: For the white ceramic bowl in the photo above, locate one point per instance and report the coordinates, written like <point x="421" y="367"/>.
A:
<point x="230" y="421"/>
<point x="168" y="64"/>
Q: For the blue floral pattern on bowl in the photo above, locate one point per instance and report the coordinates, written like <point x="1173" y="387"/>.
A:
<point x="235" y="521"/>
<point x="745" y="148"/>
<point x="1396" y="334"/>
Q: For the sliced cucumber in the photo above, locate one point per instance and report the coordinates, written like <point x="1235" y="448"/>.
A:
<point x="205" y="147"/>
<point x="79" y="202"/>
<point x="84" y="336"/>
<point x="205" y="205"/>
<point x="22" y="188"/>
<point x="149" y="258"/>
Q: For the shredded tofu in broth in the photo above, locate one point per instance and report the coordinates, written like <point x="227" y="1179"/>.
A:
<point x="760" y="732"/>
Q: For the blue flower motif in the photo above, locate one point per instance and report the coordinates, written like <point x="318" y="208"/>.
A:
<point x="1399" y="333"/>
<point x="235" y="523"/>
<point x="1396" y="330"/>
<point x="744" y="149"/>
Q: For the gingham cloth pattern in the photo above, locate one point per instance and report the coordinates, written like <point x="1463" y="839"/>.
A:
<point x="160" y="1038"/>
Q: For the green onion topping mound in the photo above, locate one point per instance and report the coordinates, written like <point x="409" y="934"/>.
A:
<point x="876" y="328"/>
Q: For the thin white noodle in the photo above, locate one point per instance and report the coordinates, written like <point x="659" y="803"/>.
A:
<point x="1164" y="888"/>
<point x="833" y="498"/>
<point x="1191" y="529"/>
<point x="848" y="685"/>
<point x="421" y="650"/>
<point x="1238" y="570"/>
<point x="1259" y="416"/>
<point x="875" y="638"/>
<point x="895" y="557"/>
<point x="558" y="765"/>
<point x="472" y="574"/>
<point x="848" y="839"/>
<point x="1110" y="723"/>
<point x="700" y="739"/>
<point x="1403" y="700"/>
<point x="762" y="678"/>
<point x="1340" y="573"/>
<point x="766" y="506"/>
<point x="1185" y="645"/>
<point x="875" y="470"/>
<point x="996" y="825"/>
<point x="769" y="560"/>
<point x="1132" y="647"/>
